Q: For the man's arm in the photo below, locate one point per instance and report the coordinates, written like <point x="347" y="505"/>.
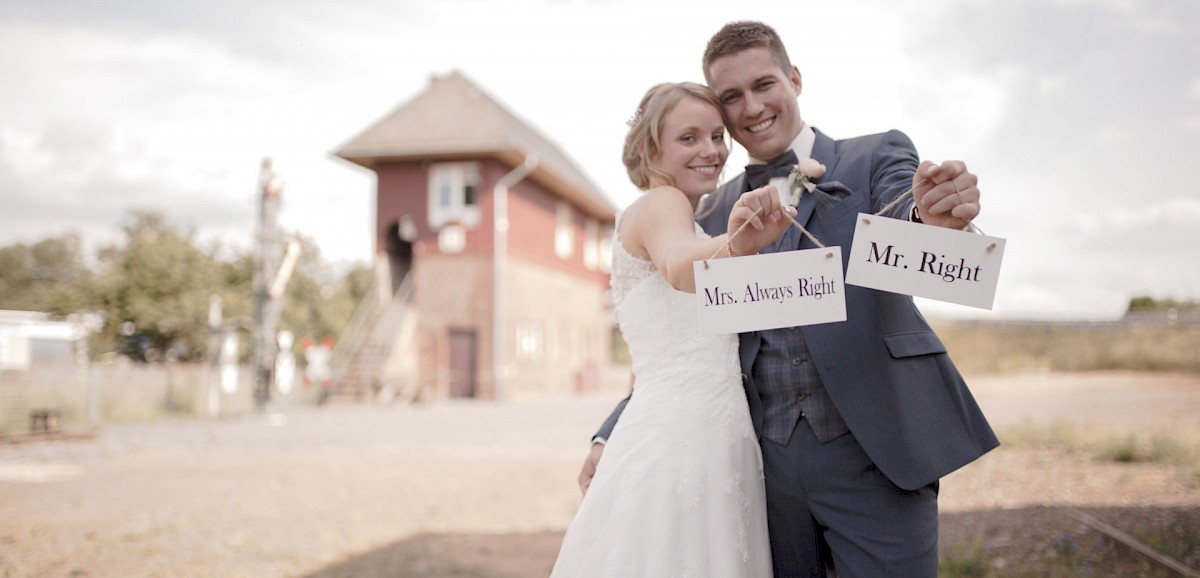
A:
<point x="588" y="471"/>
<point x="893" y="164"/>
<point x="943" y="194"/>
<point x="607" y="427"/>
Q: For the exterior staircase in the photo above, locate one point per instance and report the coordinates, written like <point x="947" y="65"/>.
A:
<point x="361" y="354"/>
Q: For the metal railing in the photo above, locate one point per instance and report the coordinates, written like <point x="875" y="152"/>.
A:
<point x="368" y="337"/>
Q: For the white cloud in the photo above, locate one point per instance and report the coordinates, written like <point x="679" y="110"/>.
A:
<point x="1167" y="221"/>
<point x="173" y="105"/>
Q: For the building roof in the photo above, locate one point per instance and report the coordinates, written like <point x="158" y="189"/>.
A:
<point x="456" y="119"/>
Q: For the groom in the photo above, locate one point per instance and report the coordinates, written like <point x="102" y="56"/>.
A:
<point x="857" y="419"/>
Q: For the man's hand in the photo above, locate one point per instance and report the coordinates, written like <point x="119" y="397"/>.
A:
<point x="589" y="467"/>
<point x="946" y="195"/>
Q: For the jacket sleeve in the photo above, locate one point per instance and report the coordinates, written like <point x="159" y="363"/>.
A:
<point x="895" y="163"/>
<point x="610" y="423"/>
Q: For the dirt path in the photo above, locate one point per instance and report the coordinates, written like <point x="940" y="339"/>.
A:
<point x="468" y="489"/>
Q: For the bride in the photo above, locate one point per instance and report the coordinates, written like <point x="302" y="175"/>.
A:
<point x="680" y="490"/>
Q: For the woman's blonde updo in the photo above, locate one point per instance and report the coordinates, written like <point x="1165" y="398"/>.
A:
<point x="643" y="142"/>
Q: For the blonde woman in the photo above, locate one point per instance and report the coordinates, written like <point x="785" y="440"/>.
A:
<point x="680" y="491"/>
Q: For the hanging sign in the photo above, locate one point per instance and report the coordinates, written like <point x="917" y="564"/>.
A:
<point x="925" y="261"/>
<point x="784" y="289"/>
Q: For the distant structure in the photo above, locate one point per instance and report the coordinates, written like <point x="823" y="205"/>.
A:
<point x="492" y="256"/>
<point x="30" y="339"/>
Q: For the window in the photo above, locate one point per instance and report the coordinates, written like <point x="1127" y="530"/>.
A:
<point x="531" y="337"/>
<point x="564" y="231"/>
<point x="605" y="248"/>
<point x="591" y="244"/>
<point x="454" y="194"/>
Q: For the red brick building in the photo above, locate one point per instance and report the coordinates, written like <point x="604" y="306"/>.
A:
<point x="492" y="255"/>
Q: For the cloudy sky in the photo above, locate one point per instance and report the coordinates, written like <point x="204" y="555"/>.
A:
<point x="1081" y="118"/>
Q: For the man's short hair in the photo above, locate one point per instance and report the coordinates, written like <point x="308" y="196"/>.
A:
<point x="741" y="35"/>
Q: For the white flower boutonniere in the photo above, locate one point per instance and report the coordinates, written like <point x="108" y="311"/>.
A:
<point x="802" y="177"/>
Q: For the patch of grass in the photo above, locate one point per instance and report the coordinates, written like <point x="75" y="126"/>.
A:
<point x="1127" y="448"/>
<point x="1168" y="450"/>
<point x="1178" y="542"/>
<point x="983" y="347"/>
<point x="1123" y="450"/>
<point x="1059" y="434"/>
<point x="1066" y="555"/>
<point x="1159" y="449"/>
<point x="970" y="562"/>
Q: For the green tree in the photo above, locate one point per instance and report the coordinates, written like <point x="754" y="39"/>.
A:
<point x="155" y="291"/>
<point x="48" y="276"/>
<point x="1145" y="303"/>
<point x="154" y="287"/>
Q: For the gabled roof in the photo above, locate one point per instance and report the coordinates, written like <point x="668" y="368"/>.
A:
<point x="455" y="119"/>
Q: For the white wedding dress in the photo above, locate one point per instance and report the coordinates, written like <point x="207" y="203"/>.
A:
<point x="679" y="489"/>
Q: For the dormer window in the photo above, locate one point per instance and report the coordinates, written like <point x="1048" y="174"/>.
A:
<point x="454" y="194"/>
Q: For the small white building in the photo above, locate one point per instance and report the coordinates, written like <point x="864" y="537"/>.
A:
<point x="30" y="339"/>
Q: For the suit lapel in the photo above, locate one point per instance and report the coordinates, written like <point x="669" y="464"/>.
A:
<point x="825" y="152"/>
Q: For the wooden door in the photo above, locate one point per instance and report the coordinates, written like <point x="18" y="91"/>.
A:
<point x="463" y="362"/>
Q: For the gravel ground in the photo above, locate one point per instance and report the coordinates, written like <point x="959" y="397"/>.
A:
<point x="477" y="489"/>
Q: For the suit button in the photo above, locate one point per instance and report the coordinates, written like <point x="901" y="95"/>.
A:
<point x="796" y="361"/>
<point x="801" y="396"/>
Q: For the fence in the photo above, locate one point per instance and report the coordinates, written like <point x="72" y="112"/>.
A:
<point x="82" y="397"/>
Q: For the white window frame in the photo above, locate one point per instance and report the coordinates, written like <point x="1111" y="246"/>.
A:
<point x="451" y="186"/>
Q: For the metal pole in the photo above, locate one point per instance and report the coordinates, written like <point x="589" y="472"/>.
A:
<point x="266" y="309"/>
<point x="500" y="269"/>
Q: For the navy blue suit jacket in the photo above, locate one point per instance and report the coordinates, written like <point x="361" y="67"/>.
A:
<point x="885" y="369"/>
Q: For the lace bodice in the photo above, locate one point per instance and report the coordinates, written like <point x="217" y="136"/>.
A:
<point x="660" y="324"/>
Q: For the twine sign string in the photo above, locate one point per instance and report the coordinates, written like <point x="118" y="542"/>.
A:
<point x="972" y="227"/>
<point x="795" y="223"/>
<point x="895" y="201"/>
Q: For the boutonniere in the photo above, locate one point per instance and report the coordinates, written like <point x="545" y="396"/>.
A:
<point x="803" y="175"/>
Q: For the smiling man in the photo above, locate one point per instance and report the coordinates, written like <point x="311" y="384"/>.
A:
<point x="857" y="420"/>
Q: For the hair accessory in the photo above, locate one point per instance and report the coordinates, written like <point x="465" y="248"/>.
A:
<point x="636" y="118"/>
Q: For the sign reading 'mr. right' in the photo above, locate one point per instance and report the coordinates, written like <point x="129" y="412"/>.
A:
<point x="925" y="261"/>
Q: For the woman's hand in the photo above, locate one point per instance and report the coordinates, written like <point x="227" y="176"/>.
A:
<point x="756" y="220"/>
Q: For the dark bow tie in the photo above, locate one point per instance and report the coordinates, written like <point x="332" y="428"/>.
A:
<point x="759" y="175"/>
